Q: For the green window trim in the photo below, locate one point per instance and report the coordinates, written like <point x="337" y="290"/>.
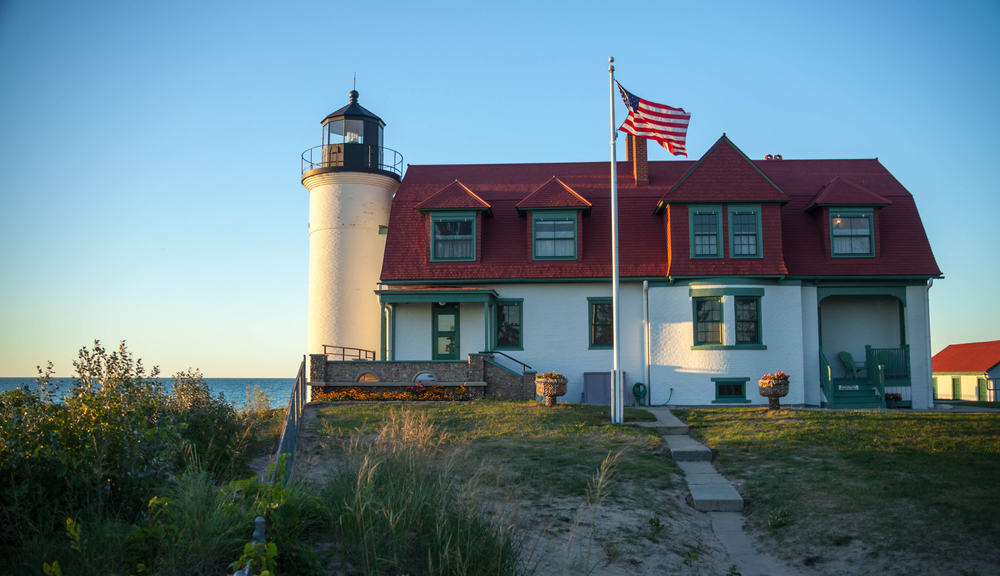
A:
<point x="848" y="225"/>
<point x="504" y="324"/>
<point x="730" y="390"/>
<point x="554" y="230"/>
<point x="700" y="228"/>
<point x="707" y="321"/>
<point x="745" y="231"/>
<point x="600" y="326"/>
<point x="459" y="234"/>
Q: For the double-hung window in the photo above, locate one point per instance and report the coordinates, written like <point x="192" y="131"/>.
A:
<point x="601" y="323"/>
<point x="509" y="324"/>
<point x="708" y="320"/>
<point x="706" y="231"/>
<point x="852" y="232"/>
<point x="747" y="320"/>
<point x="453" y="236"/>
<point x="554" y="235"/>
<point x="744" y="232"/>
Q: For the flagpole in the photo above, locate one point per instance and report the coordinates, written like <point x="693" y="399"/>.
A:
<point x="616" y="388"/>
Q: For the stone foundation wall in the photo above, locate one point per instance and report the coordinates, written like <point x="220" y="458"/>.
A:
<point x="479" y="368"/>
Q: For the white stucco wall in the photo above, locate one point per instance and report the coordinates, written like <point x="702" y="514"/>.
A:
<point x="555" y="330"/>
<point x="345" y="257"/>
<point x="690" y="371"/>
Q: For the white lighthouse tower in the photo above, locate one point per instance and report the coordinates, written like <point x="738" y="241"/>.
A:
<point x="351" y="178"/>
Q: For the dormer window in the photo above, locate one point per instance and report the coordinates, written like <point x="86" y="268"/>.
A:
<point x="744" y="232"/>
<point x="852" y="233"/>
<point x="706" y="231"/>
<point x="453" y="236"/>
<point x="554" y="235"/>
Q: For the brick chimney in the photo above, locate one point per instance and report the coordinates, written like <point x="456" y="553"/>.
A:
<point x="635" y="153"/>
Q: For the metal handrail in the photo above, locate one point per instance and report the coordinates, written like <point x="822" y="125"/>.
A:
<point x="385" y="160"/>
<point x="524" y="367"/>
<point x="290" y="431"/>
<point x="348" y="353"/>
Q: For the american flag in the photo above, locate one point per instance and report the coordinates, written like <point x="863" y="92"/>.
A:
<point x="665" y="124"/>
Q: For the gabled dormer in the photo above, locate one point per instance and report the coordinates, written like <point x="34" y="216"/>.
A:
<point x="723" y="217"/>
<point x="849" y="218"/>
<point x="555" y="226"/>
<point x="454" y="223"/>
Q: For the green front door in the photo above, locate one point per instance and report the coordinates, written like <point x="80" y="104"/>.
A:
<point x="956" y="388"/>
<point x="983" y="395"/>
<point x="444" y="331"/>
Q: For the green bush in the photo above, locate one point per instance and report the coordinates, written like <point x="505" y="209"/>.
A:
<point x="78" y="473"/>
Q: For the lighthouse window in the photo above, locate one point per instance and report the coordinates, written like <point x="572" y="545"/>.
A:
<point x="354" y="132"/>
<point x="453" y="236"/>
<point x="335" y="132"/>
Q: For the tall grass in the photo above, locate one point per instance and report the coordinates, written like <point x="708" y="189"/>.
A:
<point x="398" y="509"/>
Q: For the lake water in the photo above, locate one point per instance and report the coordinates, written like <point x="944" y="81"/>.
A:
<point x="278" y="390"/>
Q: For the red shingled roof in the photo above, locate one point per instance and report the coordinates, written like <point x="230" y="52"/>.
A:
<point x="843" y="192"/>
<point x="971" y="357"/>
<point x="455" y="196"/>
<point x="553" y="194"/>
<point x="504" y="243"/>
<point x="724" y="174"/>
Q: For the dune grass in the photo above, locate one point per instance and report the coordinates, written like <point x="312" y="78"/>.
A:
<point x="908" y="485"/>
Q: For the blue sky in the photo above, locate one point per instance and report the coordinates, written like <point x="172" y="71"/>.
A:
<point x="149" y="152"/>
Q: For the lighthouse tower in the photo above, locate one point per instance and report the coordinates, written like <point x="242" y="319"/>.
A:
<point x="351" y="178"/>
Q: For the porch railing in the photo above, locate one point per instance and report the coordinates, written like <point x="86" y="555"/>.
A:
<point x="895" y="361"/>
<point x="825" y="377"/>
<point x="876" y="377"/>
<point x="344" y="353"/>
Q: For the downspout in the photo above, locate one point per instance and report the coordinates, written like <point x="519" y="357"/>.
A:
<point x="646" y="345"/>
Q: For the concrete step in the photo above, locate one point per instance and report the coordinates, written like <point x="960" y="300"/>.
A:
<point x="666" y="423"/>
<point x="685" y="449"/>
<point x="710" y="491"/>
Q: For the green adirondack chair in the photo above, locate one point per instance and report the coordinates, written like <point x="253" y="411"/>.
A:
<point x="852" y="368"/>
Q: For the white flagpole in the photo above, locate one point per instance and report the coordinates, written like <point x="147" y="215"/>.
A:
<point x="616" y="388"/>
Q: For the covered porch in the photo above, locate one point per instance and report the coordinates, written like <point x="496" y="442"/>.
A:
<point x="864" y="354"/>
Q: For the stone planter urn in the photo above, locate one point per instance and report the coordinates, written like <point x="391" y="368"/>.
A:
<point x="773" y="387"/>
<point x="550" y="385"/>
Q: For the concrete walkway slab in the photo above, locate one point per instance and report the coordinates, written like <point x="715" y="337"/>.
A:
<point x="684" y="448"/>
<point x="666" y="422"/>
<point x="728" y="527"/>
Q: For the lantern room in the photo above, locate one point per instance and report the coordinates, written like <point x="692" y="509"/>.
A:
<point x="352" y="142"/>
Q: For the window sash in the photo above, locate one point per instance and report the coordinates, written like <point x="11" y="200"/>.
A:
<point x="601" y="323"/>
<point x="454" y="238"/>
<point x="708" y="321"/>
<point x="555" y="237"/>
<point x="509" y="324"/>
<point x="747" y="320"/>
<point x="744" y="225"/>
<point x="851" y="234"/>
<point x="706" y="233"/>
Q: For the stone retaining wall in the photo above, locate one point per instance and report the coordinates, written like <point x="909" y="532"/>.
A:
<point x="479" y="368"/>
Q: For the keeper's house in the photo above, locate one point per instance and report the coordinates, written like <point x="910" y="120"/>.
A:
<point x="730" y="268"/>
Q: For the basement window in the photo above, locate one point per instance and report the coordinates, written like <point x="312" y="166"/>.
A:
<point x="730" y="390"/>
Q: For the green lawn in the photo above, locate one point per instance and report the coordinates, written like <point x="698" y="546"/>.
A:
<point x="536" y="451"/>
<point x="909" y="485"/>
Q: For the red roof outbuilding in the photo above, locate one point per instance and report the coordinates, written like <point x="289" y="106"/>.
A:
<point x="975" y="357"/>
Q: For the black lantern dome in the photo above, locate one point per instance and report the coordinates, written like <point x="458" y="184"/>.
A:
<point x="353" y="142"/>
